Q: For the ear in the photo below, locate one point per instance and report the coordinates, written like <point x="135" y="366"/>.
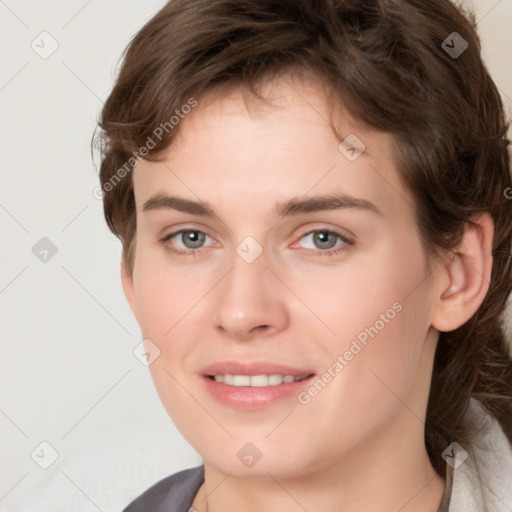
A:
<point x="128" y="287"/>
<point x="464" y="279"/>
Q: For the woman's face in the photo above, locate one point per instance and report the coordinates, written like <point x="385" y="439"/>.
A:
<point x="264" y="250"/>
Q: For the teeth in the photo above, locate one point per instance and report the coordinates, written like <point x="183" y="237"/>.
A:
<point x="274" y="380"/>
<point x="257" y="380"/>
<point x="241" y="380"/>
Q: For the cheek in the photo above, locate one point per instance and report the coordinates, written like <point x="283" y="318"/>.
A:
<point x="386" y="325"/>
<point x="165" y="299"/>
<point x="164" y="293"/>
<point x="363" y="293"/>
<point x="377" y="311"/>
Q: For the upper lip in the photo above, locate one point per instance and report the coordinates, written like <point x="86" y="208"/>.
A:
<point x="252" y="368"/>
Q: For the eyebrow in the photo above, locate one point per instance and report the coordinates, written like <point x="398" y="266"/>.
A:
<point x="294" y="206"/>
<point x="165" y="202"/>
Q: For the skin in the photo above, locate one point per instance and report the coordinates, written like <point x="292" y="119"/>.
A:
<point x="358" y="444"/>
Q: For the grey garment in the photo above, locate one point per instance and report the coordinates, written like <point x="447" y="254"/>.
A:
<point x="177" y="492"/>
<point x="172" y="494"/>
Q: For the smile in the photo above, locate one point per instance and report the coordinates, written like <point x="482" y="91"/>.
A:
<point x="257" y="380"/>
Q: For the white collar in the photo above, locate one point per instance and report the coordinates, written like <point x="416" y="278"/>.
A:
<point x="482" y="475"/>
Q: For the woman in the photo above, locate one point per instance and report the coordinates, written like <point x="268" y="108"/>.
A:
<point x="312" y="200"/>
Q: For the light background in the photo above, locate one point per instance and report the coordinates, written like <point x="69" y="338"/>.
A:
<point x="68" y="373"/>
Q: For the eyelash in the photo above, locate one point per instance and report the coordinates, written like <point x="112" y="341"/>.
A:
<point x="347" y="244"/>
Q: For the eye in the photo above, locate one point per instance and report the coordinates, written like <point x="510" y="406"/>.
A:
<point x="186" y="241"/>
<point x="191" y="239"/>
<point x="321" y="239"/>
<point x="324" y="242"/>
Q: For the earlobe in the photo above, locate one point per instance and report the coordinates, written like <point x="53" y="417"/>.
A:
<point x="464" y="279"/>
<point x="128" y="287"/>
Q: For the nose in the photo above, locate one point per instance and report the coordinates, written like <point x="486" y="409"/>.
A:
<point x="250" y="302"/>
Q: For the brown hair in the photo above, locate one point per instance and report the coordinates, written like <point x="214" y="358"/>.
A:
<point x="387" y="63"/>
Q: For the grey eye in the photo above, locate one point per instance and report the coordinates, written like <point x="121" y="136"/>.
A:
<point x="325" y="240"/>
<point x="192" y="239"/>
<point x="322" y="239"/>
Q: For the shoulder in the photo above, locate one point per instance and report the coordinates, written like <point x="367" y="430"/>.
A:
<point x="174" y="493"/>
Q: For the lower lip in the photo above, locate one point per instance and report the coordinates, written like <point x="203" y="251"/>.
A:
<point x="248" y="397"/>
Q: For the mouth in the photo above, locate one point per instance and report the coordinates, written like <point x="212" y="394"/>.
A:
<point x="254" y="385"/>
<point x="257" y="381"/>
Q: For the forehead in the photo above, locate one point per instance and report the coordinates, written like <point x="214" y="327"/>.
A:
<point x="233" y="148"/>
